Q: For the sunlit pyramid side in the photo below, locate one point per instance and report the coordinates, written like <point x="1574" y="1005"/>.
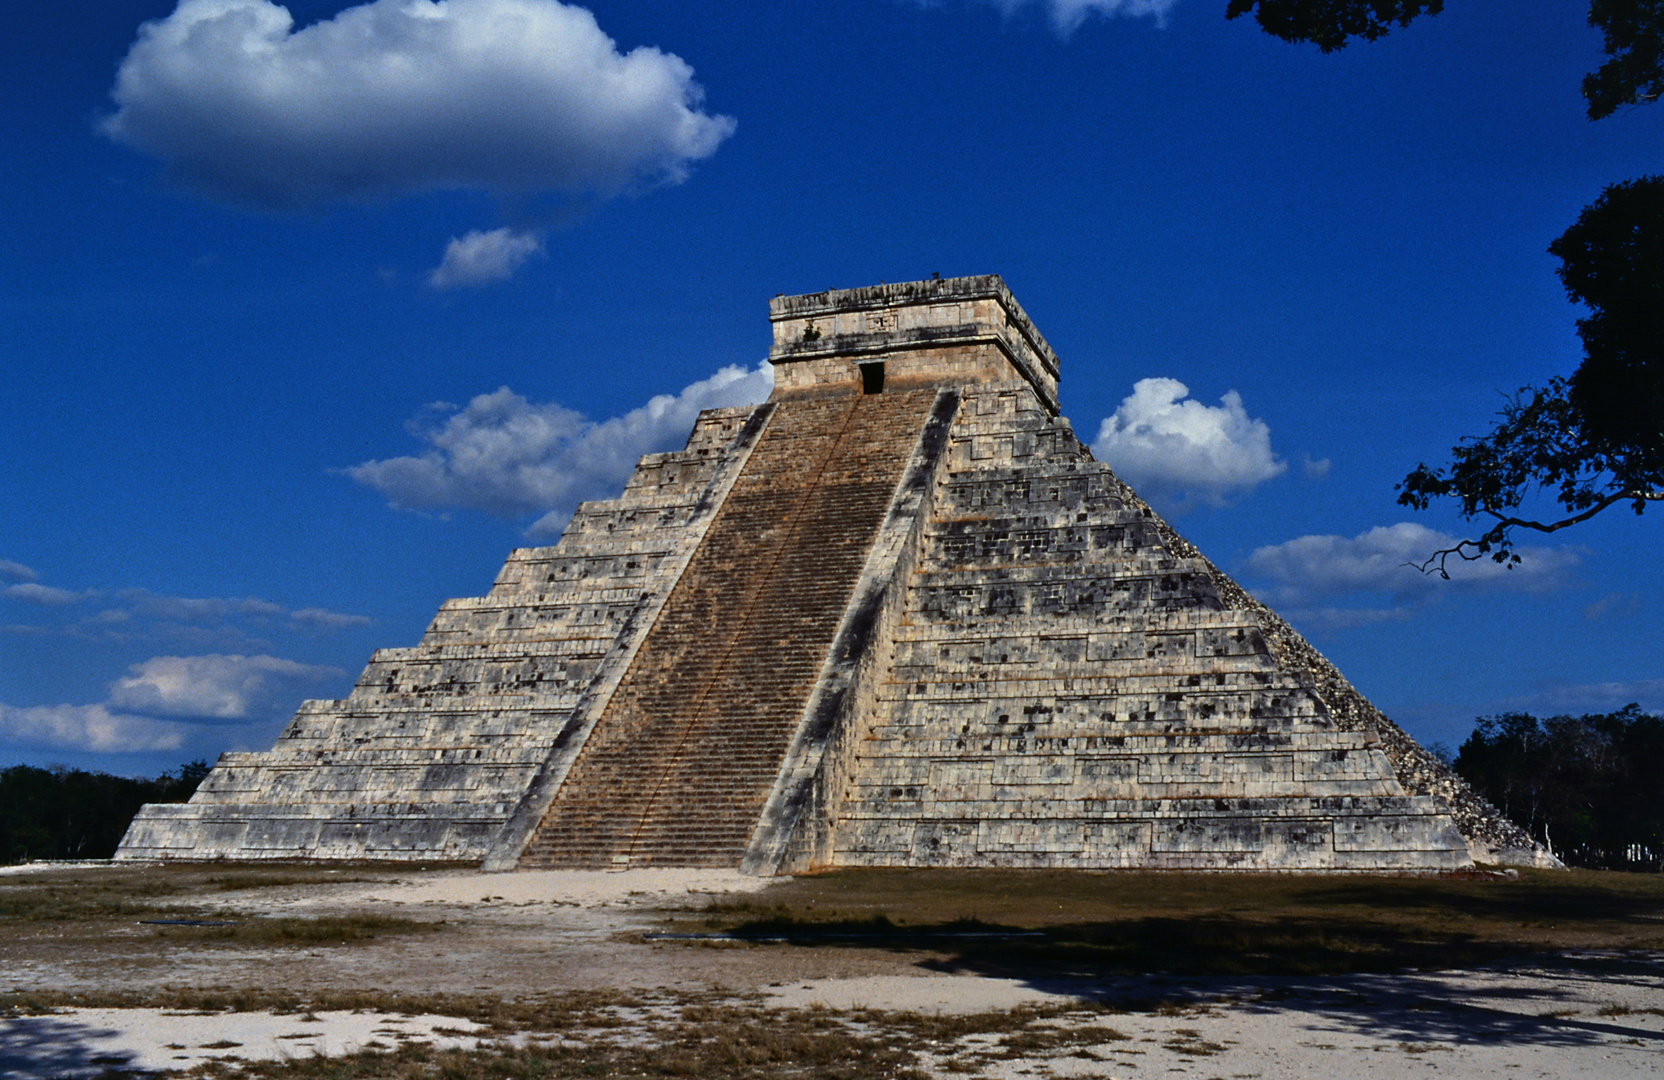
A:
<point x="894" y="616"/>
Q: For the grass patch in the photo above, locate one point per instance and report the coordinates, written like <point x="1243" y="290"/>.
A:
<point x="91" y="894"/>
<point x="1627" y="1010"/>
<point x="553" y="1012"/>
<point x="114" y="902"/>
<point x="282" y="877"/>
<point x="664" y="1034"/>
<point x="325" y="930"/>
<point x="81" y="902"/>
<point x="1093" y="923"/>
<point x="671" y="1035"/>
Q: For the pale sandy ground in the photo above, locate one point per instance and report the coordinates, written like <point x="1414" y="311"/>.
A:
<point x="86" y="1042"/>
<point x="1482" y="1024"/>
<point x="584" y="888"/>
<point x="1584" y="1017"/>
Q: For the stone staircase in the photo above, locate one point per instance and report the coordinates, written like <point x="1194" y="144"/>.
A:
<point x="678" y="768"/>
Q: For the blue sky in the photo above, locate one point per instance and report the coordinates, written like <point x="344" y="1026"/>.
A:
<point x="304" y="327"/>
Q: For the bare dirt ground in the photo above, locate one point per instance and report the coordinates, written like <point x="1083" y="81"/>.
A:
<point x="412" y="965"/>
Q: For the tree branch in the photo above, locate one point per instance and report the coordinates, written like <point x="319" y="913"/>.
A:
<point x="1497" y="535"/>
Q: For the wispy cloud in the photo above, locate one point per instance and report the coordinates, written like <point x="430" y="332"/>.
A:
<point x="1579" y="698"/>
<point x="16" y="571"/>
<point x="1318" y="567"/>
<point x="37" y="593"/>
<point x="1178" y="452"/>
<point x="217" y="686"/>
<point x="481" y="258"/>
<point x="508" y="456"/>
<point x="1335" y="582"/>
<point x="1346" y="618"/>
<point x="324" y="619"/>
<point x="1067" y="16"/>
<point x="403" y="96"/>
<point x="219" y="622"/>
<point x="1617" y="603"/>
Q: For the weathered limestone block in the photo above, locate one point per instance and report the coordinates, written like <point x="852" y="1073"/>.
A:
<point x="988" y="743"/>
<point x="438" y="744"/>
<point x="897" y="615"/>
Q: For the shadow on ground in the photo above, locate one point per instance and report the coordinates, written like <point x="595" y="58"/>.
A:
<point x="33" y="1047"/>
<point x="1526" y="961"/>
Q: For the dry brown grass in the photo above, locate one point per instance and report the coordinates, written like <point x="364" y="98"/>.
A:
<point x="553" y="1012"/>
<point x="1131" y="922"/>
<point x="107" y="898"/>
<point x="671" y="1035"/>
<point x="82" y="893"/>
<point x="323" y="930"/>
<point x="663" y="1034"/>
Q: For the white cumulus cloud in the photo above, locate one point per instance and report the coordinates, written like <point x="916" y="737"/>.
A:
<point x="480" y="258"/>
<point x="509" y="456"/>
<point x="1179" y="452"/>
<point x="1310" y="568"/>
<point x="216" y="686"/>
<point x="169" y="702"/>
<point x="88" y="727"/>
<point x="400" y="96"/>
<point x="1066" y="16"/>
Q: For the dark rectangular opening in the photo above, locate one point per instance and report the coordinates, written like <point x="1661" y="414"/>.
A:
<point x="872" y="378"/>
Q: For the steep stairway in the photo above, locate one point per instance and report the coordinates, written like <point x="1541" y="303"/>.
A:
<point x="678" y="768"/>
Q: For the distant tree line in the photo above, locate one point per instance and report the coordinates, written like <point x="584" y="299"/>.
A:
<point x="61" y="813"/>
<point x="1590" y="788"/>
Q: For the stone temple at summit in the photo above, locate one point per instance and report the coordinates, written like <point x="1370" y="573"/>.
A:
<point x="896" y="615"/>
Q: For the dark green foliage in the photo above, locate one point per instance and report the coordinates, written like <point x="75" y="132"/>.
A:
<point x="1587" y="786"/>
<point x="1633" y="29"/>
<point x="1330" y="24"/>
<point x="1539" y="443"/>
<point x="1612" y="261"/>
<point x="1635" y="41"/>
<point x="1596" y="439"/>
<point x="70" y="814"/>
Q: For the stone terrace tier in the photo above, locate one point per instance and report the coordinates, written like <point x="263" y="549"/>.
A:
<point x="437" y="744"/>
<point x="1061" y="690"/>
<point x="895" y="616"/>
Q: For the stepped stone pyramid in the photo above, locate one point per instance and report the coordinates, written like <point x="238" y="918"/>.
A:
<point x="895" y="616"/>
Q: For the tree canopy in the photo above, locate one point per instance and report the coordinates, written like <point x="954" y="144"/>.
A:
<point x="1330" y="24"/>
<point x="71" y="814"/>
<point x="1582" y="785"/>
<point x="1612" y="261"/>
<point x="1594" y="440"/>
<point x="1633" y="29"/>
<point x="1635" y="41"/>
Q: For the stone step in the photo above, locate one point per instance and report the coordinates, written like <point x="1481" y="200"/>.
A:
<point x="678" y="768"/>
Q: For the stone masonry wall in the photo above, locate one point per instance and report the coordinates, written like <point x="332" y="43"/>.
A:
<point x="1491" y="837"/>
<point x="1065" y="690"/>
<point x="921" y="627"/>
<point x="437" y="744"/>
